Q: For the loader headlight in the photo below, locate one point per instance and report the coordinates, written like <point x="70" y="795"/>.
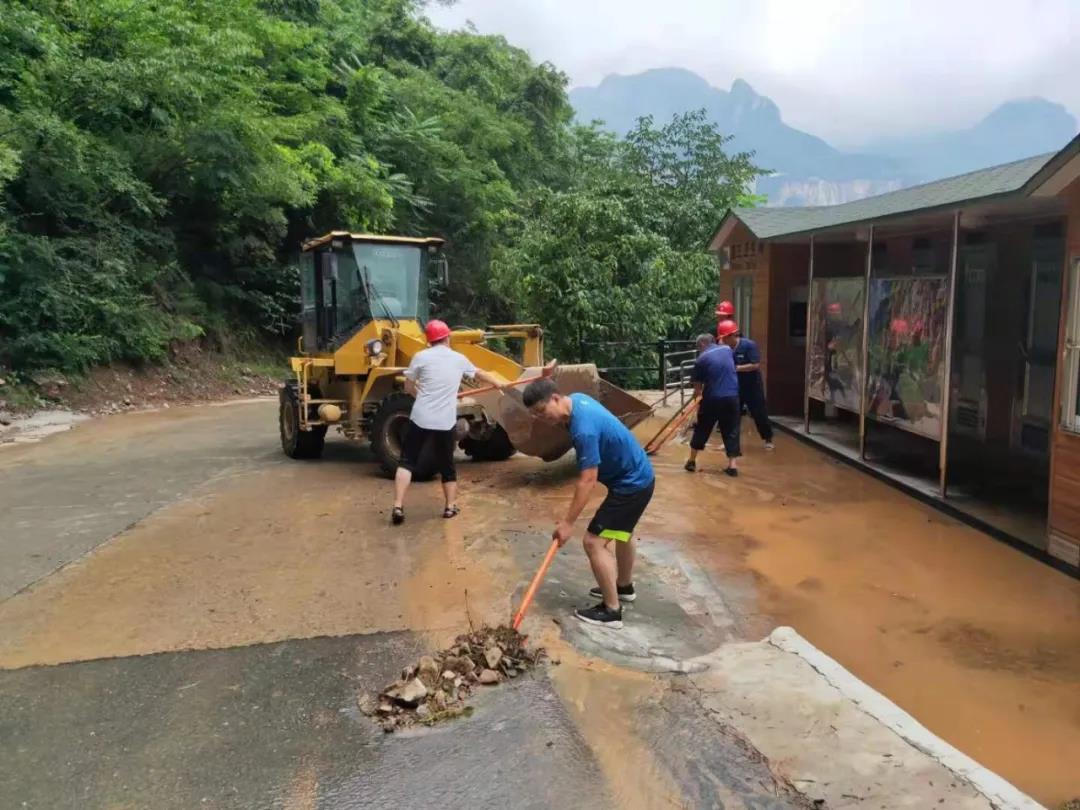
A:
<point x="374" y="347"/>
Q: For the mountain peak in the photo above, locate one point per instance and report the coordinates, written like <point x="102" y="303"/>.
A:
<point x="741" y="88"/>
<point x="796" y="159"/>
<point x="1029" y="112"/>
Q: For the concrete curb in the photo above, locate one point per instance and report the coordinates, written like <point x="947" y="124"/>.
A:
<point x="1000" y="793"/>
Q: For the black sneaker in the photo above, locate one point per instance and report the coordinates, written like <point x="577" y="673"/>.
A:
<point x="732" y="471"/>
<point x="690" y="466"/>
<point x="601" y="615"/>
<point x="626" y="592"/>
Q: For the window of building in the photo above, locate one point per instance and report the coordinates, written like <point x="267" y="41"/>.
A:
<point x="1070" y="400"/>
<point x="744" y="294"/>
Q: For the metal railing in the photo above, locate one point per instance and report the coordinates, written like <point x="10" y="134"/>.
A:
<point x="678" y="366"/>
<point x="611" y="360"/>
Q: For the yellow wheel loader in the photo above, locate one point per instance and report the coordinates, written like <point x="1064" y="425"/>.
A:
<point x="364" y="302"/>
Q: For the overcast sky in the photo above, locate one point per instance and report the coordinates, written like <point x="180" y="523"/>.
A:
<point x="846" y="70"/>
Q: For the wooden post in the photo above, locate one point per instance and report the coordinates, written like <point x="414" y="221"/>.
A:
<point x="809" y="320"/>
<point x="864" y="394"/>
<point x="946" y="388"/>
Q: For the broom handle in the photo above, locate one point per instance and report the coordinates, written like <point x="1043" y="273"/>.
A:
<point x="531" y="592"/>
<point x="667" y="431"/>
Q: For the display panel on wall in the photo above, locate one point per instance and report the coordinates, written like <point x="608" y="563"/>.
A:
<point x="836" y="342"/>
<point x="907" y="353"/>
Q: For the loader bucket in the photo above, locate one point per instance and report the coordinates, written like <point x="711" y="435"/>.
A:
<point x="549" y="442"/>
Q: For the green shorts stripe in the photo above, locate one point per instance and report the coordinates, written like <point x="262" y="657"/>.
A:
<point x="613" y="534"/>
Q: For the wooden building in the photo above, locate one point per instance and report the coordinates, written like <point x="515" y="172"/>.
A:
<point x="932" y="333"/>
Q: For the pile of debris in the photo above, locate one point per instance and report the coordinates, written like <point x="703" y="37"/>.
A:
<point x="437" y="686"/>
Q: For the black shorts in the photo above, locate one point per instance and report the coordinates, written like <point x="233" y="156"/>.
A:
<point x="619" y="514"/>
<point x="442" y="451"/>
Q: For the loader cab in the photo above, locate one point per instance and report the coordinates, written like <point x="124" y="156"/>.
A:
<point x="347" y="280"/>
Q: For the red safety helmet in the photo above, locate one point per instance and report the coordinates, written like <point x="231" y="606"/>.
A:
<point x="725" y="328"/>
<point x="436" y="331"/>
<point x="725" y="308"/>
<point x="836" y="308"/>
<point x="900" y="326"/>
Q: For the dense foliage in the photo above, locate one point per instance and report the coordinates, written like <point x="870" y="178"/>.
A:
<point x="617" y="256"/>
<point x="161" y="160"/>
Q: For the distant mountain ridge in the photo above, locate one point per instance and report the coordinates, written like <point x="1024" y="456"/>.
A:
<point x="806" y="169"/>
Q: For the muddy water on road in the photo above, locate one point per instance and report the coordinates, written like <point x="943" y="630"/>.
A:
<point x="294" y="551"/>
<point x="979" y="642"/>
<point x="976" y="640"/>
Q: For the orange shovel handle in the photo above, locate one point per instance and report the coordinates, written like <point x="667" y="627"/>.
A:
<point x="531" y="592"/>
<point x="546" y="371"/>
<point x="468" y="392"/>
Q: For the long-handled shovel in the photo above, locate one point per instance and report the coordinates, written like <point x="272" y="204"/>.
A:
<point x="671" y="427"/>
<point x="531" y="592"/>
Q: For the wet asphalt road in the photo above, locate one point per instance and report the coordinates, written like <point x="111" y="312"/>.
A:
<point x="164" y="573"/>
<point x="276" y="725"/>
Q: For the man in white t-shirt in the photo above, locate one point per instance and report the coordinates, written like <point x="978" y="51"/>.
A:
<point x="433" y="378"/>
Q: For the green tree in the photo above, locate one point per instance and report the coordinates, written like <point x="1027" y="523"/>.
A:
<point x="619" y="255"/>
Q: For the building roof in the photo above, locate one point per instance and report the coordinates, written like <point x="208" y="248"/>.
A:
<point x="422" y="241"/>
<point x="771" y="223"/>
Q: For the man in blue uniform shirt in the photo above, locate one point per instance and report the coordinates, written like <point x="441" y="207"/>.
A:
<point x="606" y="452"/>
<point x="716" y="383"/>
<point x="751" y="386"/>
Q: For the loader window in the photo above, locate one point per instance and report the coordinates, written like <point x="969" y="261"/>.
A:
<point x="396" y="272"/>
<point x="309" y="304"/>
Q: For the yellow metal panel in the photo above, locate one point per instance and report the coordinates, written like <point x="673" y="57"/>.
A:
<point x="296" y="363"/>
<point x="466" y="336"/>
<point x="484" y="358"/>
<point x="420" y="241"/>
<point x="352" y="357"/>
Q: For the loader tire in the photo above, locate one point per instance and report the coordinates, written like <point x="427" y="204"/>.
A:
<point x="295" y="442"/>
<point x="388" y="432"/>
<point x="497" y="447"/>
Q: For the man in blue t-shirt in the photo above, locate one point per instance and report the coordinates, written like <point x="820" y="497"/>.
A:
<point x="751" y="387"/>
<point x="716" y="383"/>
<point x="606" y="452"/>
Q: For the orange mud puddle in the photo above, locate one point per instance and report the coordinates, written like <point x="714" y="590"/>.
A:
<point x="252" y="562"/>
<point x="976" y="640"/>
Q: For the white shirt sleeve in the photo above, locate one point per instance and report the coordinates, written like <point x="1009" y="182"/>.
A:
<point x="467" y="367"/>
<point x="413" y="371"/>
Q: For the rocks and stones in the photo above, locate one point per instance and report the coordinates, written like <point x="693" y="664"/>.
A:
<point x="367" y="705"/>
<point x="408" y="693"/>
<point x="436" y="687"/>
<point x="427" y="670"/>
<point x="51" y="383"/>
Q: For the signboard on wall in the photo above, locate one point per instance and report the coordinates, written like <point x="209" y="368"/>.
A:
<point x="836" y="342"/>
<point x="907" y="353"/>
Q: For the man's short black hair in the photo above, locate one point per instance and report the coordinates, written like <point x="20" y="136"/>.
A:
<point x="538" y="392"/>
